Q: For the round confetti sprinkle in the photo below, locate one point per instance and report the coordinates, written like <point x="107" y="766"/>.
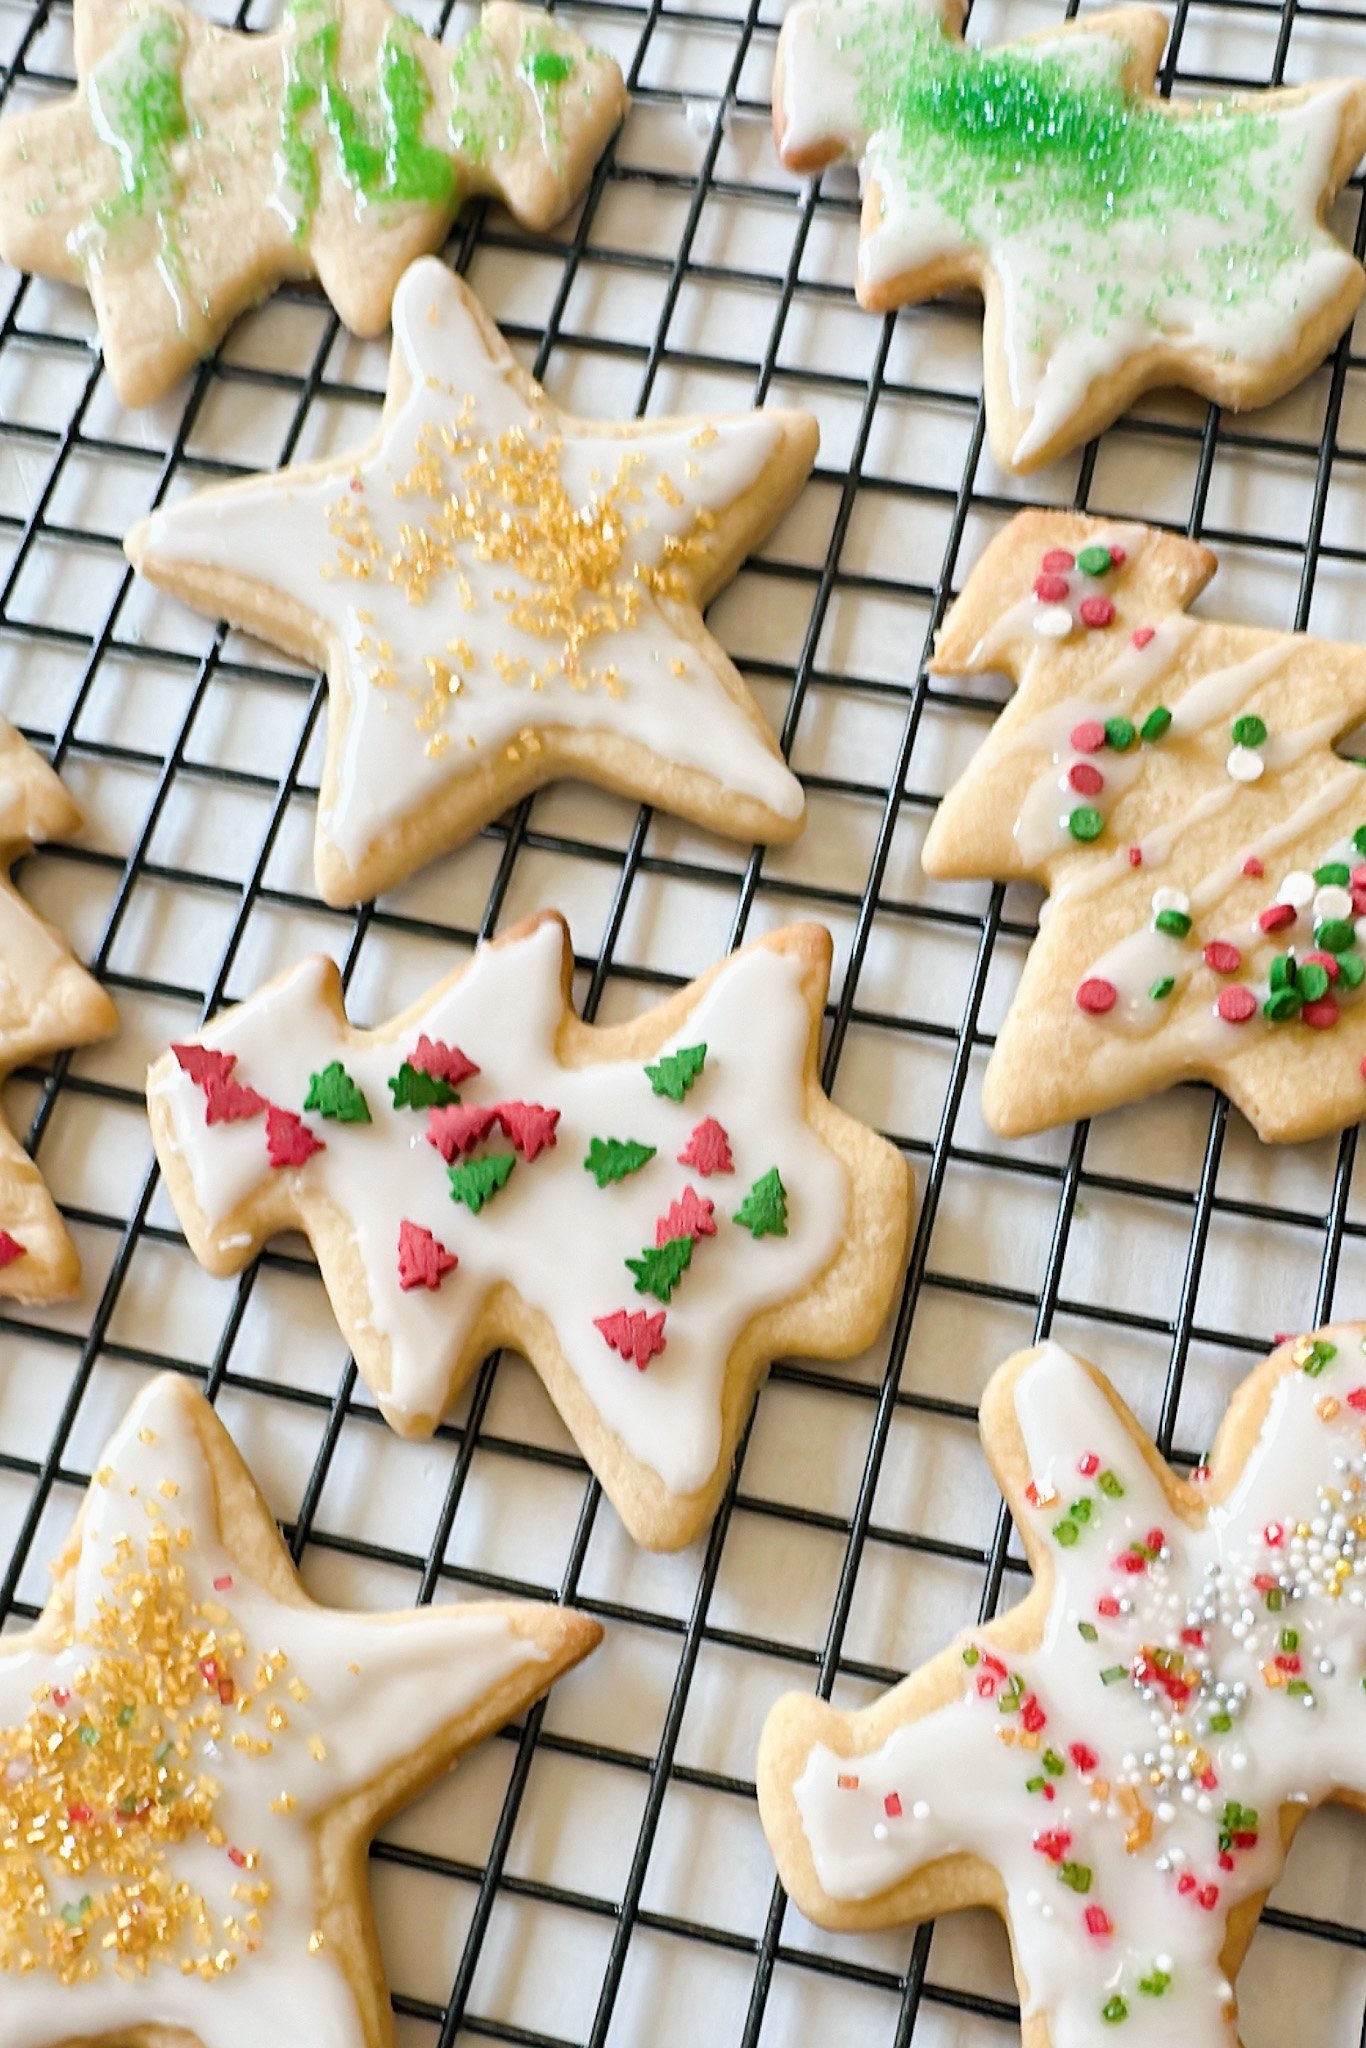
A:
<point x="1329" y="962"/>
<point x="1175" y="923"/>
<point x="1296" y="888"/>
<point x="1321" y="1014"/>
<point x="1095" y="561"/>
<point x="1335" y="935"/>
<point x="1059" y="560"/>
<point x="1281" y="1006"/>
<point x="1170" y="899"/>
<point x="1248" y="732"/>
<point x="1085" y="823"/>
<point x="1223" y="957"/>
<point x="1096" y="611"/>
<point x="1331" y="903"/>
<point x="1155" y="724"/>
<point x="1135" y="856"/>
<point x="1276" y="916"/>
<point x="1141" y="636"/>
<point x="1244" y="765"/>
<point x="1120" y="733"/>
<point x="1089" y="737"/>
<point x="1096" y="996"/>
<point x="1160" y="990"/>
<point x="1118" y="557"/>
<point x="1054" y="622"/>
<point x="1311" y="981"/>
<point x="1085" y="779"/>
<point x="1252" y="866"/>
<point x="1236" y="1005"/>
<point x="1051" y="589"/>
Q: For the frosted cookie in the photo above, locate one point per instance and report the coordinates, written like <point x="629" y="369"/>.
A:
<point x="1172" y="783"/>
<point x="1120" y="240"/>
<point x="1119" y="1764"/>
<point x="195" y="1755"/>
<point x="194" y="168"/>
<point x="650" y="1212"/>
<point x="501" y="595"/>
<point x="47" y="1002"/>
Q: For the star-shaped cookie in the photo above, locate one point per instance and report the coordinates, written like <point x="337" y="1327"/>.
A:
<point x="1172" y="782"/>
<point x="47" y="1001"/>
<point x="1119" y="1764"/>
<point x="193" y="1757"/>
<point x="195" y="168"/>
<point x="1120" y="240"/>
<point x="502" y="594"/>
<point x="650" y="1212"/>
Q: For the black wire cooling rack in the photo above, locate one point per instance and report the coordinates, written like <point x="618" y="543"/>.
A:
<point x="887" y="1542"/>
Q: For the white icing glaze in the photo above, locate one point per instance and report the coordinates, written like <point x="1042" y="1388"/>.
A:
<point x="962" y="1787"/>
<point x="559" y="1239"/>
<point x="377" y="1687"/>
<point x="1079" y="296"/>
<point x="283" y="533"/>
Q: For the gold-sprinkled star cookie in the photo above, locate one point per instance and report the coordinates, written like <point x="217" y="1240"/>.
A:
<point x="47" y="1002"/>
<point x="650" y="1212"/>
<point x="1120" y="240"/>
<point x="1172" y="782"/>
<point x="196" y="168"/>
<point x="1118" y="1765"/>
<point x="194" y="1755"/>
<point x="502" y="595"/>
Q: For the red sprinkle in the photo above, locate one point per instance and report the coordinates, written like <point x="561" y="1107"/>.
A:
<point x="1208" y="1780"/>
<point x="1135" y="856"/>
<point x="1226" y="1862"/>
<point x="1089" y="1465"/>
<point x="891" y="1806"/>
<point x="1032" y="1716"/>
<point x="847" y="1782"/>
<point x="1108" y="1606"/>
<point x="60" y="1696"/>
<point x="1118" y="557"/>
<point x="10" y="1249"/>
<point x="639" y="1337"/>
<point x="1357" y="1398"/>
<point x="708" y="1149"/>
<point x="1098" y="1921"/>
<point x="223" y="1584"/>
<point x="203" y="1064"/>
<point x="1053" y="1843"/>
<point x="1209" y="1897"/>
<point x="692" y="1215"/>
<point x="1252" y="866"/>
<point x="289" y="1141"/>
<point x="1060" y="559"/>
<point x="1051" y="589"/>
<point x="459" y="1126"/>
<point x="530" y="1125"/>
<point x="1083" y="1757"/>
<point x="1236" y="1005"/>
<point x="1088" y="737"/>
<point x="238" y="1857"/>
<point x="1156" y="1539"/>
<point x="423" y="1261"/>
<point x="1327" y="961"/>
<point x="1141" y="635"/>
<point x="1274" y="1533"/>
<point x="227" y="1691"/>
<point x="231" y="1102"/>
<point x="79" y="1816"/>
<point x="1223" y="957"/>
<point x="1358" y="876"/>
<point x="1086" y="780"/>
<point x="1194" y="1638"/>
<point x="1185" y="1883"/>
<point x="1359" y="902"/>
<point x="1096" y="611"/>
<point x="1322" y="1015"/>
<point x="443" y="1062"/>
<point x="1276" y="915"/>
<point x="1096" y="996"/>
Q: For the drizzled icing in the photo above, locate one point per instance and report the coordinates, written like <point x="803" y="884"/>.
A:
<point x="557" y="1230"/>
<point x="1194" y="1677"/>
<point x="1169" y="779"/>
<point x="490" y="571"/>
<point x="184" y="1741"/>
<point x="195" y="165"/>
<point x="47" y="1001"/>
<point x="1111" y="224"/>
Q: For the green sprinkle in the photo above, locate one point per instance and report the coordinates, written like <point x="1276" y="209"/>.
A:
<point x="1066" y="1532"/>
<point x="1155" y="724"/>
<point x="1359" y="839"/>
<point x="971" y="1656"/>
<point x="1221" y="1723"/>
<point x="659" y="1268"/>
<point x="1321" y="1354"/>
<point x="1311" y="981"/>
<point x="1085" y="823"/>
<point x="1088" y="1632"/>
<point x="1035" y="1784"/>
<point x="1109" y="1484"/>
<point x="127" y="1716"/>
<point x="75" y="1910"/>
<point x="1114" y="2010"/>
<point x="1076" y="1876"/>
<point x="1080" y="1510"/>
<point x="1275" y="1600"/>
<point x="1053" y="1763"/>
<point x="1282" y="973"/>
<point x="411" y="1088"/>
<point x="1351" y="969"/>
<point x="1281" y="1006"/>
<point x="333" y="1093"/>
<point x="1333" y="874"/>
<point x="675" y="1073"/>
<point x="1160" y="990"/>
<point x="1336" y="935"/>
<point x="1155" y="1983"/>
<point x="549" y="67"/>
<point x="477" y="1181"/>
<point x="1299" y="1687"/>
<point x="1249" y="731"/>
<point x="764" y="1210"/>
<point x="612" y="1159"/>
<point x="89" y="1735"/>
<point x="1120" y="733"/>
<point x="1113" y="1673"/>
<point x="1095" y="561"/>
<point x="1175" y="922"/>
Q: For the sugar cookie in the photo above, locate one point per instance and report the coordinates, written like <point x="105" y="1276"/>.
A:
<point x="196" y="1755"/>
<point x="1120" y="240"/>
<point x="195" y="168"/>
<point x="649" y="1211"/>
<point x="1172" y="783"/>
<point x="502" y="594"/>
<point x="47" y="1002"/>
<point x="1118" y="1765"/>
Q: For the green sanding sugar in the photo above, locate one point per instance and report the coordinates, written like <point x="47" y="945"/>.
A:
<point x="138" y="109"/>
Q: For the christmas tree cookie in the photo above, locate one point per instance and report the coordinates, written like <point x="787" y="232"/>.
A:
<point x="195" y="168"/>
<point x="650" y="1212"/>
<point x="47" y="1002"/>
<point x="1172" y="783"/>
<point x="1120" y="240"/>
<point x="1119" y="1764"/>
<point x="194" y="1756"/>
<point x="502" y="595"/>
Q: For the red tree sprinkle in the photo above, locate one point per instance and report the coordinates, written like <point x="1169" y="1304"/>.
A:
<point x="530" y="1126"/>
<point x="203" y="1064"/>
<point x="289" y="1141"/>
<point x="708" y="1149"/>
<point x="423" y="1261"/>
<point x="639" y="1337"/>
<point x="231" y="1102"/>
<point x="692" y="1215"/>
<point x="10" y="1249"/>
<point x="458" y="1127"/>
<point x="443" y="1062"/>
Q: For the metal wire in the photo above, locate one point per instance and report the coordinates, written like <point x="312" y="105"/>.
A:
<point x="771" y="1946"/>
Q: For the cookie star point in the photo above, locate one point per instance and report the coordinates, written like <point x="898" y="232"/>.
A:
<point x="195" y="1754"/>
<point x="502" y="594"/>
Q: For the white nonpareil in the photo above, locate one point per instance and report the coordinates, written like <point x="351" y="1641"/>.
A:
<point x="1126" y="1777"/>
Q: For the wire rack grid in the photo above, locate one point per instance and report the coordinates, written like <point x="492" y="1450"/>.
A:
<point x="598" y="1874"/>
